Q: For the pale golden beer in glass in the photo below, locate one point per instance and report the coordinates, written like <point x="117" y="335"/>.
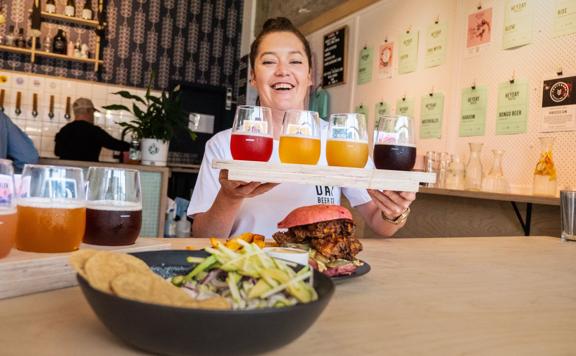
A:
<point x="299" y="150"/>
<point x="300" y="138"/>
<point x="347" y="141"/>
<point x="51" y="209"/>
<point x="47" y="227"/>
<point x="8" y="216"/>
<point x="344" y="153"/>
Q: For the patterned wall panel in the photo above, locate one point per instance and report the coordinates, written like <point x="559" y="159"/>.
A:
<point x="196" y="41"/>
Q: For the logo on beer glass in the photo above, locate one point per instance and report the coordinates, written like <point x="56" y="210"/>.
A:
<point x="6" y="189"/>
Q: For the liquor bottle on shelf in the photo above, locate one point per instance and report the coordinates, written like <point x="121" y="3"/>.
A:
<point x="10" y="36"/>
<point x="87" y="12"/>
<point x="76" y="53"/>
<point x="84" y="51"/>
<point x="19" y="41"/>
<point x="70" y="9"/>
<point x="29" y="42"/>
<point x="47" y="44"/>
<point x="70" y="49"/>
<point x="50" y="6"/>
<point x="59" y="42"/>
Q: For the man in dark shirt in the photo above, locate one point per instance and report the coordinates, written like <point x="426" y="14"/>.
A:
<point x="81" y="140"/>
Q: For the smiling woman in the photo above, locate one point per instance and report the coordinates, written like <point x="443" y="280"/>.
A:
<point x="280" y="57"/>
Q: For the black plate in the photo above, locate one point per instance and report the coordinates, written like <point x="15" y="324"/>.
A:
<point x="179" y="331"/>
<point x="360" y="271"/>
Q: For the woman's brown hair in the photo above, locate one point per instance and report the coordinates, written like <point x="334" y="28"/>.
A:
<point x="279" y="24"/>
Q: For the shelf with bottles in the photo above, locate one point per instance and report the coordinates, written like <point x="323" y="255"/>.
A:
<point x="33" y="52"/>
<point x="71" y="19"/>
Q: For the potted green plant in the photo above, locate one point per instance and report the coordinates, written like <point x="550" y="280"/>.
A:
<point x="156" y="120"/>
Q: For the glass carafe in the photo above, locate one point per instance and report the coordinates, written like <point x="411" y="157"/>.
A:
<point x="545" y="172"/>
<point x="455" y="176"/>
<point x="495" y="180"/>
<point x="473" y="179"/>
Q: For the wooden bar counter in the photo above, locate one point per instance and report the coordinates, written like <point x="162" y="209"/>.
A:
<point x="445" y="296"/>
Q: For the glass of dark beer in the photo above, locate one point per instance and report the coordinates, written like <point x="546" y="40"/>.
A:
<point x="113" y="206"/>
<point x="394" y="146"/>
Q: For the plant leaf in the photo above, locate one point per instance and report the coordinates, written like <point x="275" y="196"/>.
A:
<point x="127" y="95"/>
<point x="116" y="107"/>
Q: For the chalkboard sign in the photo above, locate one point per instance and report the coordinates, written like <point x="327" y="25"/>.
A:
<point x="334" y="58"/>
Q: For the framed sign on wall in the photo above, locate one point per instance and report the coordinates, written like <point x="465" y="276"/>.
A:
<point x="334" y="57"/>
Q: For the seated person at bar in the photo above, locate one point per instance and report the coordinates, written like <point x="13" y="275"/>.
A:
<point x="280" y="57"/>
<point x="15" y="144"/>
<point x="81" y="140"/>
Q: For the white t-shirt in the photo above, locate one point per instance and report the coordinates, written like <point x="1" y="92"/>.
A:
<point x="260" y="214"/>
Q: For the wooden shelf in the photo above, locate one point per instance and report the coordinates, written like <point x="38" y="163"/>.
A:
<point x="519" y="198"/>
<point x="62" y="56"/>
<point x="75" y="20"/>
<point x="16" y="50"/>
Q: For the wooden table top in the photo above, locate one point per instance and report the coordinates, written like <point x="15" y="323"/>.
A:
<point x="489" y="295"/>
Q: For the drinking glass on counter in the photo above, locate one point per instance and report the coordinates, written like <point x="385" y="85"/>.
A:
<point x="8" y="215"/>
<point x="51" y="209"/>
<point x="394" y="147"/>
<point x="300" y="138"/>
<point x="251" y="138"/>
<point x="347" y="143"/>
<point x="113" y="206"/>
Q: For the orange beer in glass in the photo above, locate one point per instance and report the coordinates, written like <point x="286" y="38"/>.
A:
<point x="51" y="209"/>
<point x="8" y="216"/>
<point x="300" y="138"/>
<point x="347" y="142"/>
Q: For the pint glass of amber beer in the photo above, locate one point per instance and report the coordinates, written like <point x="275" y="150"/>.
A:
<point x="8" y="216"/>
<point x="113" y="206"/>
<point x="300" y="138"/>
<point x="347" y="143"/>
<point x="51" y="209"/>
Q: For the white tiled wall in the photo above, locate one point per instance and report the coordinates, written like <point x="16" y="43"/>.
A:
<point x="42" y="128"/>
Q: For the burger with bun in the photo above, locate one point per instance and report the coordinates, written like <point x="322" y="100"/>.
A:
<point x="327" y="231"/>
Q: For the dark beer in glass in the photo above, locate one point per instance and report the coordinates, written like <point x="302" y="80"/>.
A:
<point x="394" y="146"/>
<point x="112" y="224"/>
<point x="113" y="206"/>
<point x="394" y="157"/>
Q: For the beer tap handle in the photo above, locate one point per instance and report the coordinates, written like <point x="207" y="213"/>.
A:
<point x="51" y="108"/>
<point x="18" y="110"/>
<point x="2" y="93"/>
<point x="67" y="114"/>
<point x="35" y="105"/>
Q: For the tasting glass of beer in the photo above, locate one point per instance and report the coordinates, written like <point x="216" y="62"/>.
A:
<point x="8" y="215"/>
<point x="394" y="146"/>
<point x="347" y="143"/>
<point x="113" y="206"/>
<point x="300" y="137"/>
<point x="51" y="209"/>
<point x="252" y="134"/>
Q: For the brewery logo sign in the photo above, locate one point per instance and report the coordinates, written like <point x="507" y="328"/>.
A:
<point x="558" y="105"/>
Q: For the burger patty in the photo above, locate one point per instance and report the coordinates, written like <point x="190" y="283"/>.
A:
<point x="333" y="239"/>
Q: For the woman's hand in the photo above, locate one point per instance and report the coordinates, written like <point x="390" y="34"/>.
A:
<point x="239" y="190"/>
<point x="392" y="204"/>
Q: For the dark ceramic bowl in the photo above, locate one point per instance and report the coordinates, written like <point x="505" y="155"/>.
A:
<point x="179" y="331"/>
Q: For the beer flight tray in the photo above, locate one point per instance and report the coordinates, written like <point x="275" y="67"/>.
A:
<point x="28" y="272"/>
<point x="407" y="181"/>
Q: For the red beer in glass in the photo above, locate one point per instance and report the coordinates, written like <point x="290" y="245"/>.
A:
<point x="251" y="138"/>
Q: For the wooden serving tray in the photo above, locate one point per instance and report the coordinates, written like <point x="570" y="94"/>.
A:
<point x="29" y="272"/>
<point x="407" y="181"/>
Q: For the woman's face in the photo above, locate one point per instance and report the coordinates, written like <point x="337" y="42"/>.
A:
<point x="281" y="72"/>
